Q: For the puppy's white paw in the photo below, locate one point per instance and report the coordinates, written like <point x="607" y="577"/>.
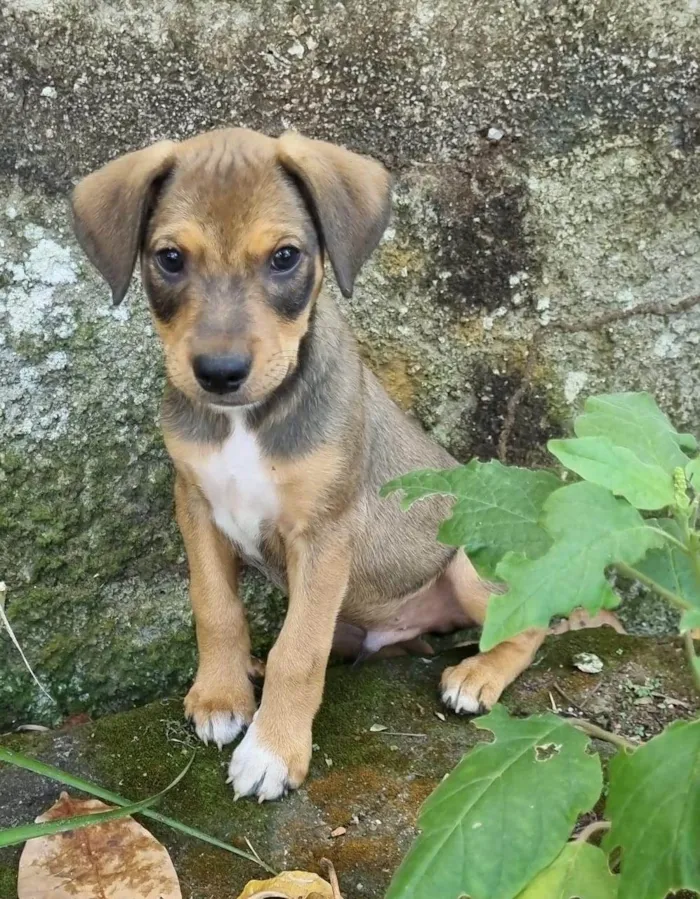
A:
<point x="257" y="770"/>
<point x="461" y="699"/>
<point x="219" y="728"/>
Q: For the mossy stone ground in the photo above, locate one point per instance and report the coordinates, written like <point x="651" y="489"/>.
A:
<point x="370" y="783"/>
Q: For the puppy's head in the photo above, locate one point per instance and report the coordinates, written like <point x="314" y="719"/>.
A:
<point x="231" y="228"/>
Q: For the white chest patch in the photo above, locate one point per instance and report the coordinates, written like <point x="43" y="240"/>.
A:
<point x="239" y="488"/>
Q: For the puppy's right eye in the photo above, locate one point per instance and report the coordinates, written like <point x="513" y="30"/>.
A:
<point x="170" y="260"/>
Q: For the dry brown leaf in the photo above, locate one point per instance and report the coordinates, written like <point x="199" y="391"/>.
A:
<point x="113" y="860"/>
<point x="289" y="885"/>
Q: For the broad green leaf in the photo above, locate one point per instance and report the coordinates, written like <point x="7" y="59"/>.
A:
<point x="503" y="814"/>
<point x="634" y="421"/>
<point x="654" y="806"/>
<point x="688" y="442"/>
<point x="690" y="620"/>
<point x="670" y="567"/>
<point x="580" y="871"/>
<point x="692" y="472"/>
<point x="592" y="529"/>
<point x="599" y="460"/>
<point x="497" y="508"/>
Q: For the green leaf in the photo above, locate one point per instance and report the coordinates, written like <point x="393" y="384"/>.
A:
<point x="592" y="529"/>
<point x="692" y="472"/>
<point x="20" y="760"/>
<point x="690" y="620"/>
<point x="599" y="460"/>
<point x="497" y="508"/>
<point x="580" y="871"/>
<point x="688" y="443"/>
<point x="670" y="567"/>
<point x="24" y="832"/>
<point x="634" y="421"/>
<point x="654" y="806"/>
<point x="503" y="814"/>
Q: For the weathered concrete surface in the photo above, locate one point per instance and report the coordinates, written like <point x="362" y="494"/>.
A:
<point x="370" y="783"/>
<point x="547" y="165"/>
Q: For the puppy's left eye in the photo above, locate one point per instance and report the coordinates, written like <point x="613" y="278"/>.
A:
<point x="170" y="260"/>
<point x="285" y="259"/>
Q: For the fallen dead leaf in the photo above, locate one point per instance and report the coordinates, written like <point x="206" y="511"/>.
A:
<point x="113" y="860"/>
<point x="288" y="885"/>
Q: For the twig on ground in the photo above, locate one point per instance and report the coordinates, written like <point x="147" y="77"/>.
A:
<point x="565" y="696"/>
<point x="332" y="877"/>
<point x="254" y="853"/>
<point x="598" y="733"/>
<point x="396" y="733"/>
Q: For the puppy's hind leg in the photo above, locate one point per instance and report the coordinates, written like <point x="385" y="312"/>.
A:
<point x="476" y="684"/>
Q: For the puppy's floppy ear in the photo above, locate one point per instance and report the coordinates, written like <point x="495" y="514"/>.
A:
<point x="351" y="197"/>
<point x="110" y="208"/>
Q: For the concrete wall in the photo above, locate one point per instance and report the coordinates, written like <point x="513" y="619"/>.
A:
<point x="547" y="167"/>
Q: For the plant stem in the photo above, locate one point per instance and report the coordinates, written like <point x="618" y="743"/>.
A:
<point x="691" y="655"/>
<point x="591" y="829"/>
<point x="600" y="734"/>
<point x="682" y="518"/>
<point x="668" y="595"/>
<point x="671" y="539"/>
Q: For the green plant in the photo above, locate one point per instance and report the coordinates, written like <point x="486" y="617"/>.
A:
<point x="26" y="832"/>
<point x="12" y="835"/>
<point x="498" y="827"/>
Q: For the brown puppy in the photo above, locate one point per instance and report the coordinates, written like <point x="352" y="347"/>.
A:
<point x="280" y="436"/>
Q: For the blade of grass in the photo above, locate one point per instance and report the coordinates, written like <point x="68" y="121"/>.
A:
<point x="44" y="770"/>
<point x="14" y="835"/>
<point x="8" y="628"/>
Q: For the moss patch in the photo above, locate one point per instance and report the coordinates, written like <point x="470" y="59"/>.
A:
<point x="370" y="783"/>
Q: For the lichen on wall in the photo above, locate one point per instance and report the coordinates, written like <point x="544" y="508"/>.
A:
<point x="546" y="161"/>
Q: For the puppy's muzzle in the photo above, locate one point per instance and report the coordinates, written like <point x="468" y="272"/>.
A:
<point x="221" y="374"/>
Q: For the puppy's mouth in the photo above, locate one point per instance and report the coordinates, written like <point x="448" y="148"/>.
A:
<point x="247" y="397"/>
<point x="225" y="403"/>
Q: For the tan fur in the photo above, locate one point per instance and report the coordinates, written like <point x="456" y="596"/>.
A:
<point x="222" y="682"/>
<point x="325" y="444"/>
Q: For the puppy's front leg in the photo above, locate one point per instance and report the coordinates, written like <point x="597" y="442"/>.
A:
<point x="221" y="701"/>
<point x="274" y="755"/>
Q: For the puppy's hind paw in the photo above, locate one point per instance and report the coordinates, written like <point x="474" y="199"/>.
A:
<point x="472" y="687"/>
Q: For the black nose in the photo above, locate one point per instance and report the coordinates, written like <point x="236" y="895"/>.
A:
<point x="221" y="374"/>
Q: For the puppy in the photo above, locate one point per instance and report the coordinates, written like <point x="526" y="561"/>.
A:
<point x="280" y="437"/>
